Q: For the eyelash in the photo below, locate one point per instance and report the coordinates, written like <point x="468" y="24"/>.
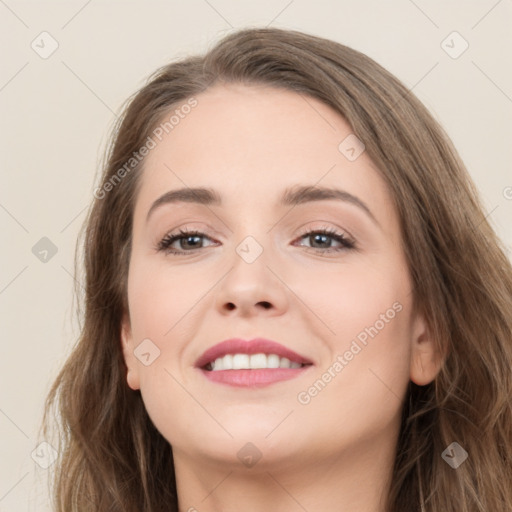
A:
<point x="346" y="242"/>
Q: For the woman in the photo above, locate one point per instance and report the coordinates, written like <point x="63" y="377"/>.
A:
<point x="293" y="299"/>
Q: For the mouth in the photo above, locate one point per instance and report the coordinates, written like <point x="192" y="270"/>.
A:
<point x="254" y="363"/>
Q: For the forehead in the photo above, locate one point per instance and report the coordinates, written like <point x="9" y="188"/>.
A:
<point x="252" y="142"/>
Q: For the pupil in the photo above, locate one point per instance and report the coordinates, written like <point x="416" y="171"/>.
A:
<point x="192" y="237"/>
<point x="319" y="236"/>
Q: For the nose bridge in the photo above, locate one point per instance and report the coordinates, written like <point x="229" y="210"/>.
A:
<point x="249" y="263"/>
<point x="253" y="241"/>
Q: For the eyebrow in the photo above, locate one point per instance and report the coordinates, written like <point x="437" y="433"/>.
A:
<point x="293" y="196"/>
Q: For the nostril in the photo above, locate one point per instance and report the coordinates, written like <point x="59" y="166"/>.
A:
<point x="267" y="305"/>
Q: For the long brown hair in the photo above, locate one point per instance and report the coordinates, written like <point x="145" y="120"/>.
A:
<point x="111" y="457"/>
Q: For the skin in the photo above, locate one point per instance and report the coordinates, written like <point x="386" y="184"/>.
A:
<point x="335" y="452"/>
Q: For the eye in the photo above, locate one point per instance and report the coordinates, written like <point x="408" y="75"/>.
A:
<point x="321" y="240"/>
<point x="188" y="241"/>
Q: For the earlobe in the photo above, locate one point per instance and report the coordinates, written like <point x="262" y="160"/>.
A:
<point x="426" y="361"/>
<point x="132" y="376"/>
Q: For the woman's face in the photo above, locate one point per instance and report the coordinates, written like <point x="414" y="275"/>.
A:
<point x="262" y="268"/>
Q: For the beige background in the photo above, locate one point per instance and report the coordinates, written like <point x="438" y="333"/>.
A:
<point x="56" y="112"/>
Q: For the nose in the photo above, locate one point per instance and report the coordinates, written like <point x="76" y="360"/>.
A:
<point x="251" y="289"/>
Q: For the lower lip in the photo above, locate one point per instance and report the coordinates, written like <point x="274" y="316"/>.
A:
<point x="253" y="378"/>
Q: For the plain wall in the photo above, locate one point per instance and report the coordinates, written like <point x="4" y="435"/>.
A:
<point x="56" y="113"/>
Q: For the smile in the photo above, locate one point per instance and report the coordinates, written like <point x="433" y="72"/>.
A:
<point x="255" y="363"/>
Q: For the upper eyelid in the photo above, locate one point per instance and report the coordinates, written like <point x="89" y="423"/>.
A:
<point x="303" y="231"/>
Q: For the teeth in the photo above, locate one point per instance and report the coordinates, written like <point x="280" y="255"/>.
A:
<point x="258" y="361"/>
<point x="252" y="362"/>
<point x="227" y="362"/>
<point x="272" y="361"/>
<point x="240" y="361"/>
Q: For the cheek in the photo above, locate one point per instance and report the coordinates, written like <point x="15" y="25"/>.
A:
<point x="350" y="299"/>
<point x="366" y="326"/>
<point x="160" y="298"/>
<point x="157" y="303"/>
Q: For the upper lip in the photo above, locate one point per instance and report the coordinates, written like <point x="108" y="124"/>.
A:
<point x="254" y="346"/>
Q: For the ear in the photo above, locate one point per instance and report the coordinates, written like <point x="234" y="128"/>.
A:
<point x="132" y="376"/>
<point x="426" y="360"/>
